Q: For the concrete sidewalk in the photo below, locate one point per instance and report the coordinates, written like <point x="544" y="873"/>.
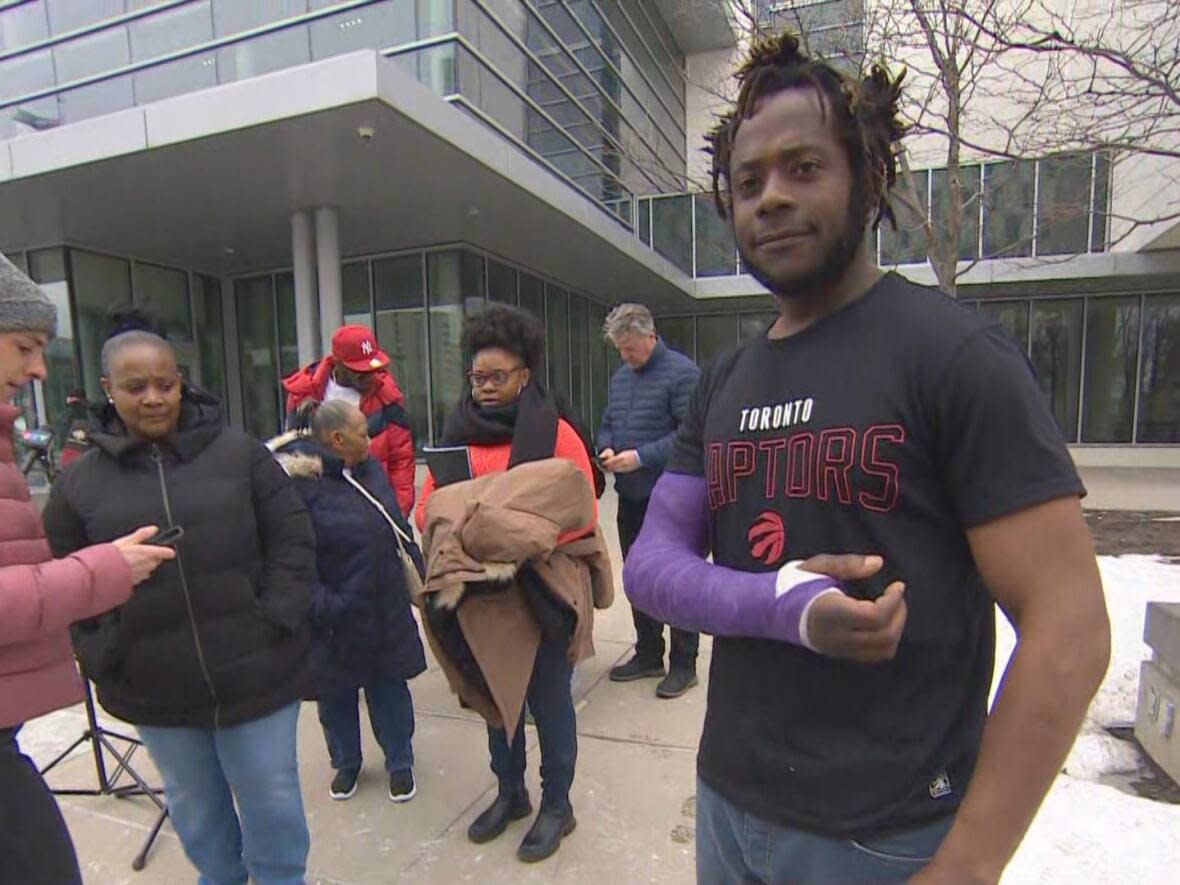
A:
<point x="633" y="796"/>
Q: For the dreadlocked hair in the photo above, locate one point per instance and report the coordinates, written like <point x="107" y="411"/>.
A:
<point x="866" y="113"/>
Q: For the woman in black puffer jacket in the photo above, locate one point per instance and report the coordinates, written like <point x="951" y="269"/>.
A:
<point x="209" y="658"/>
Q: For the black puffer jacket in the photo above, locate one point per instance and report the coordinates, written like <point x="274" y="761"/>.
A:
<point x="222" y="634"/>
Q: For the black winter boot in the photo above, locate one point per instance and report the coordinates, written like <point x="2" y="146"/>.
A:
<point x="545" y="835"/>
<point x="495" y="818"/>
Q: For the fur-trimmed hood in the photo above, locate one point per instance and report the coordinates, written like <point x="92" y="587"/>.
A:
<point x="298" y="454"/>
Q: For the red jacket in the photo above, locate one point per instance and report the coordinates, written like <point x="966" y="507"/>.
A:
<point x="487" y="459"/>
<point x="40" y="597"/>
<point x="391" y="441"/>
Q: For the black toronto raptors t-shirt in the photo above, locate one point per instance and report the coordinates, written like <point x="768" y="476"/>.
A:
<point x="889" y="427"/>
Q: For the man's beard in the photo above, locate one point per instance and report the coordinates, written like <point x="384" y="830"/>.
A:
<point x="835" y="262"/>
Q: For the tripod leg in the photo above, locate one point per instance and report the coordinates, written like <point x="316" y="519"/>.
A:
<point x="140" y="860"/>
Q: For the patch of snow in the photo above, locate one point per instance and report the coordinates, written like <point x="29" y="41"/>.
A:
<point x="1130" y="582"/>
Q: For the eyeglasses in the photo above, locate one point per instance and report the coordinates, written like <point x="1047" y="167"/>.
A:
<point x="497" y="378"/>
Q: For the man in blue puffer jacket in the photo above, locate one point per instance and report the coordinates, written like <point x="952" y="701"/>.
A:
<point x="365" y="635"/>
<point x="649" y="395"/>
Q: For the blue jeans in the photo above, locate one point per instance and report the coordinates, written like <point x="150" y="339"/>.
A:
<point x="735" y="847"/>
<point x="205" y="770"/>
<point x="552" y="705"/>
<point x="391" y="713"/>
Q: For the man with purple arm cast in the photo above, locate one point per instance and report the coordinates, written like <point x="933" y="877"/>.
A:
<point x="847" y="736"/>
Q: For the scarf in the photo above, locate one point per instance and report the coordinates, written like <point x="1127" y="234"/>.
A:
<point x="530" y="424"/>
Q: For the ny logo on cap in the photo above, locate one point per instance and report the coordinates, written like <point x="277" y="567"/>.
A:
<point x="366" y="347"/>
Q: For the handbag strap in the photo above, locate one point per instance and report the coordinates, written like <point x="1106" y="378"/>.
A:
<point x="402" y="539"/>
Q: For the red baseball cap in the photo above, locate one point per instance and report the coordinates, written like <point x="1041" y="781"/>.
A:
<point x="356" y="348"/>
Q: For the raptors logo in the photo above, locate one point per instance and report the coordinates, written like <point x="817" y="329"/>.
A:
<point x="768" y="537"/>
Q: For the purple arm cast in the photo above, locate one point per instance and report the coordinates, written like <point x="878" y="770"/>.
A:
<point x="667" y="576"/>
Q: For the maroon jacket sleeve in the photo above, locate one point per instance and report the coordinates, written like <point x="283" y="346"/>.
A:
<point x="36" y="600"/>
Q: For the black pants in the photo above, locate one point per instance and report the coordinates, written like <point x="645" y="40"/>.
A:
<point x="649" y="633"/>
<point x="35" y="847"/>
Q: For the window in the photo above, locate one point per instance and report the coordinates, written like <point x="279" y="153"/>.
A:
<point x="255" y="301"/>
<point x="354" y="290"/>
<point x="1012" y="317"/>
<point x="1112" y="347"/>
<point x="671" y="223"/>
<point x="645" y="220"/>
<point x="69" y="15"/>
<point x="599" y="376"/>
<point x="968" y="208"/>
<point x="398" y="283"/>
<point x="169" y="31"/>
<point x="1008" y="208"/>
<point x="1159" y="387"/>
<point x="907" y="244"/>
<point x="558" y="339"/>
<point x="716" y="250"/>
<point x="501" y="283"/>
<point x="377" y="26"/>
<point x="102" y="285"/>
<point x="678" y="333"/>
<point x="1063" y="202"/>
<point x="447" y="360"/>
<point x="579" y="357"/>
<point x="1057" y="358"/>
<point x="93" y="54"/>
<point x="755" y="325"/>
<point x="47" y="268"/>
<point x="263" y="54"/>
<point x="210" y="337"/>
<point x="288" y="324"/>
<point x="532" y="299"/>
<point x="22" y="25"/>
<point x="161" y="294"/>
<point x="401" y="332"/>
<point x="716" y="336"/>
<point x="1099" y="230"/>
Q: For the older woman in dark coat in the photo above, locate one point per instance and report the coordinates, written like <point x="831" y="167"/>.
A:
<point x="365" y="634"/>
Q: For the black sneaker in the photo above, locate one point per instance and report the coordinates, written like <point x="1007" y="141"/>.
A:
<point x="401" y="786"/>
<point x="676" y="683"/>
<point x="636" y="669"/>
<point x="344" y="784"/>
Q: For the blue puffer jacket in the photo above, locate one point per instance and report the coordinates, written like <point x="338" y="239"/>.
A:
<point x="643" y="412"/>
<point x="362" y="624"/>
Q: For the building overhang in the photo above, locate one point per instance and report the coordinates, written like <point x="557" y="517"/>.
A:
<point x="208" y="181"/>
<point x="699" y="25"/>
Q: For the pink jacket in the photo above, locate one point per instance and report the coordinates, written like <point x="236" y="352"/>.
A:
<point x="40" y="597"/>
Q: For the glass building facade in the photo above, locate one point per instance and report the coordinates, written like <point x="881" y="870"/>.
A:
<point x="86" y="287"/>
<point x="416" y="303"/>
<point x="593" y="89"/>
<point x="1108" y="365"/>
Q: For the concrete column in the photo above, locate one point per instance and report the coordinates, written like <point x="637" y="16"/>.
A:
<point x="327" y="243"/>
<point x="307" y="325"/>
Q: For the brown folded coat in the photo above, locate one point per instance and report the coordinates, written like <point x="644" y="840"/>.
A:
<point x="483" y="530"/>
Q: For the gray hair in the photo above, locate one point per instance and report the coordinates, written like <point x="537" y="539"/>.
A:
<point x="329" y="417"/>
<point x="628" y="319"/>
<point x="121" y="342"/>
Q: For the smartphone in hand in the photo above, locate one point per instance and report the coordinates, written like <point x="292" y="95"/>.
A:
<point x="166" y="537"/>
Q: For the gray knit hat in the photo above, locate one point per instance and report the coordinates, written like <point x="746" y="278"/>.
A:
<point x="23" y="306"/>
